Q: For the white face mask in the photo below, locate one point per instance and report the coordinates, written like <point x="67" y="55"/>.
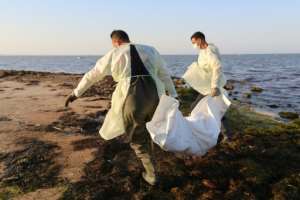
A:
<point x="195" y="46"/>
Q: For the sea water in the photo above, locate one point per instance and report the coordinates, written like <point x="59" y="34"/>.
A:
<point x="277" y="74"/>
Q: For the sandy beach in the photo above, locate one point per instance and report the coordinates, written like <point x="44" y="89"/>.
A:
<point x="48" y="151"/>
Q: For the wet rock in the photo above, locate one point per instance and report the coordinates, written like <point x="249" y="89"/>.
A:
<point x="247" y="95"/>
<point x="256" y="89"/>
<point x="229" y="85"/>
<point x="273" y="106"/>
<point x="288" y="115"/>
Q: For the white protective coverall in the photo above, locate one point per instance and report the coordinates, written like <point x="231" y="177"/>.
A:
<point x="117" y="63"/>
<point x="207" y="72"/>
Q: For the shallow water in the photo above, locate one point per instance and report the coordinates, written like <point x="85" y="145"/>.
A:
<point x="277" y="74"/>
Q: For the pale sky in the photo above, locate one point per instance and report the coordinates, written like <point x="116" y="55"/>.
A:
<point x="80" y="27"/>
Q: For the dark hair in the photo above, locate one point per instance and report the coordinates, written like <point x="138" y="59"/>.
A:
<point x="120" y="34"/>
<point x="198" y="35"/>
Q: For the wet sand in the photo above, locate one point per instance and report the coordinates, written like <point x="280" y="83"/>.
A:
<point x="48" y="151"/>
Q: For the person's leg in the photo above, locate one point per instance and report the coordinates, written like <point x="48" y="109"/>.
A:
<point x="140" y="144"/>
<point x="139" y="106"/>
<point x="142" y="151"/>
<point x="225" y="134"/>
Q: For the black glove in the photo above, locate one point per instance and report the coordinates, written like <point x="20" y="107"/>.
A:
<point x="70" y="99"/>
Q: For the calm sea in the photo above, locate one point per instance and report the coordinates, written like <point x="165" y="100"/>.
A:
<point x="277" y="74"/>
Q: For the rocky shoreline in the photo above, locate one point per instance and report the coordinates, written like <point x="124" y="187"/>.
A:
<point x="51" y="152"/>
<point x="248" y="93"/>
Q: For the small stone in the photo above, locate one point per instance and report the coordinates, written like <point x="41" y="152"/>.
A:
<point x="229" y="86"/>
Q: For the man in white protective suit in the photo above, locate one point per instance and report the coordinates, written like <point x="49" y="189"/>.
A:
<point x="142" y="77"/>
<point x="206" y="74"/>
<point x="198" y="132"/>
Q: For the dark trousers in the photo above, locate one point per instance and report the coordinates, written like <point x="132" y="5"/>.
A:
<point x="139" y="107"/>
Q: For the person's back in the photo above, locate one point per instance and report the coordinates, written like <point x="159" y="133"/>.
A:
<point x="121" y="57"/>
<point x="152" y="61"/>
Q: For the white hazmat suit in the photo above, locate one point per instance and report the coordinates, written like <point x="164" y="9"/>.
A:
<point x="117" y="63"/>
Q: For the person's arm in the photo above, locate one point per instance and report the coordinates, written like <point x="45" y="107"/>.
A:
<point x="164" y="75"/>
<point x="100" y="70"/>
<point x="216" y="66"/>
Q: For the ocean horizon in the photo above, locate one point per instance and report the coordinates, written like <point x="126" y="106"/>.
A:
<point x="277" y="74"/>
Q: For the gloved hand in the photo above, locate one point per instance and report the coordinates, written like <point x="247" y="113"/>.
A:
<point x="215" y="92"/>
<point x="70" y="99"/>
